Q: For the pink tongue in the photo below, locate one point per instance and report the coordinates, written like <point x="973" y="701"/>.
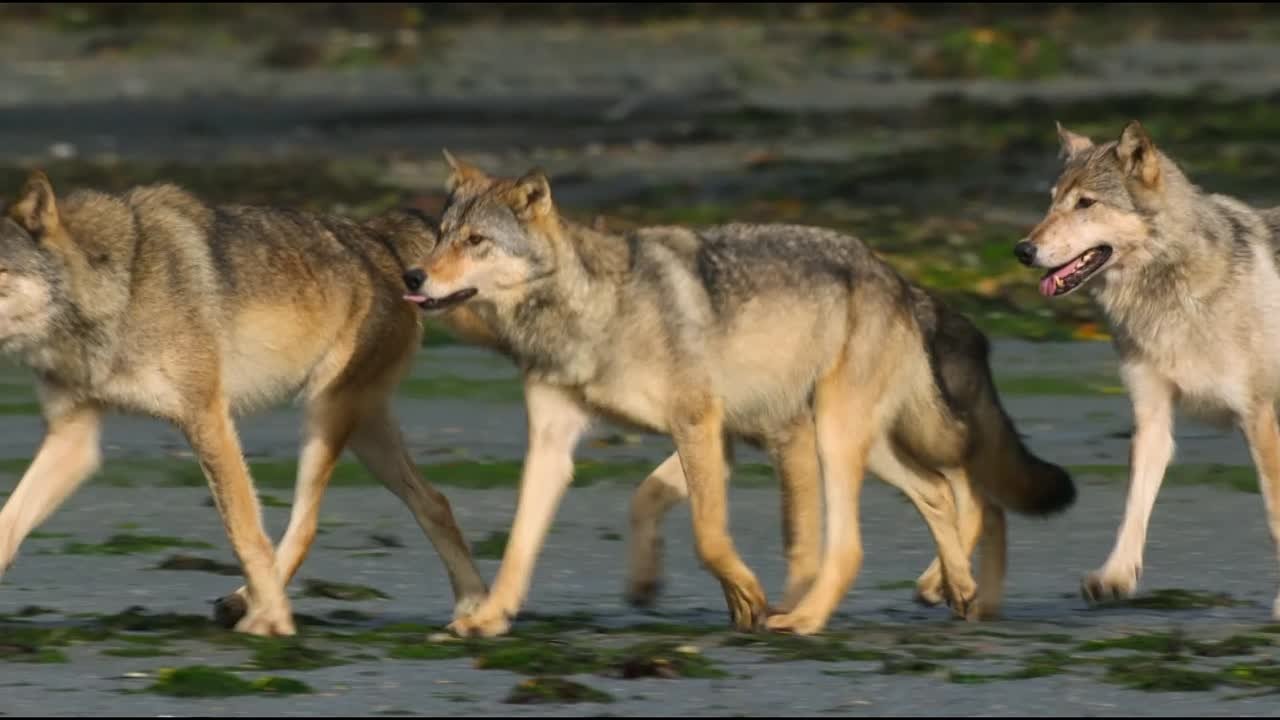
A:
<point x="1048" y="287"/>
<point x="416" y="298"/>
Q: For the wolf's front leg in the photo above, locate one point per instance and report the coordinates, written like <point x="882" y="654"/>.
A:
<point x="214" y="440"/>
<point x="556" y="422"/>
<point x="1152" y="451"/>
<point x="70" y="453"/>
<point x="1263" y="434"/>
<point x="698" y="430"/>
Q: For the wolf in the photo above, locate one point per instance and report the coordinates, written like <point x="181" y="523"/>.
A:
<point x="707" y="336"/>
<point x="152" y="302"/>
<point x="1188" y="282"/>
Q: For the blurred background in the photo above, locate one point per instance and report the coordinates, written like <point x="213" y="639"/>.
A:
<point x="926" y="129"/>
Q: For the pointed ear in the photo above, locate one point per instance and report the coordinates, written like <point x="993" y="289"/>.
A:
<point x="36" y="208"/>
<point x="1072" y="143"/>
<point x="1137" y="154"/>
<point x="531" y="196"/>
<point x="461" y="172"/>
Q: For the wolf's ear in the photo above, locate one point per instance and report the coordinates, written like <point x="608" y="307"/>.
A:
<point x="1072" y="143"/>
<point x="36" y="208"/>
<point x="461" y="172"/>
<point x="531" y="196"/>
<point x="1137" y="154"/>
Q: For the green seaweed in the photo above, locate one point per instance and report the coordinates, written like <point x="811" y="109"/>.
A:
<point x="492" y="546"/>
<point x="204" y="681"/>
<point x="554" y="690"/>
<point x="128" y="544"/>
<point x="341" y="591"/>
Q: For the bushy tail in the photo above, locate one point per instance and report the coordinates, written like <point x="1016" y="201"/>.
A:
<point x="1005" y="470"/>
<point x="997" y="462"/>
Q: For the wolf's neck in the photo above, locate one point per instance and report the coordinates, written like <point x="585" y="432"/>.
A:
<point x="1190" y="257"/>
<point x="557" y="330"/>
<point x="75" y="352"/>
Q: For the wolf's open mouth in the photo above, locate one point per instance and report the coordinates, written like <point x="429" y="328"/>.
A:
<point x="427" y="303"/>
<point x="1062" y="280"/>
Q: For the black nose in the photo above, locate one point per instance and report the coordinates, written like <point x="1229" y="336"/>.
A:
<point x="1025" y="252"/>
<point x="414" y="279"/>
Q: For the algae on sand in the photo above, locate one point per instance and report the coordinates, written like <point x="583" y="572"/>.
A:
<point x="205" y="681"/>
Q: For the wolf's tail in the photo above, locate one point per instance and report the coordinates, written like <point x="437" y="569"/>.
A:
<point x="1007" y="471"/>
<point x="997" y="462"/>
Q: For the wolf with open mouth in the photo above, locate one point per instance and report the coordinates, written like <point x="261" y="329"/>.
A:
<point x="1189" y="284"/>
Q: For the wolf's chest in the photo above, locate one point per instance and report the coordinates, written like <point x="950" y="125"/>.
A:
<point x="1211" y="378"/>
<point x="642" y="399"/>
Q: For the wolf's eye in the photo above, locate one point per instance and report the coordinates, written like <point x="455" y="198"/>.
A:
<point x="1084" y="202"/>
<point x="475" y="239"/>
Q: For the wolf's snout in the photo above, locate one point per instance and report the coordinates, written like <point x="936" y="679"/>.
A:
<point x="1025" y="252"/>
<point x="414" y="279"/>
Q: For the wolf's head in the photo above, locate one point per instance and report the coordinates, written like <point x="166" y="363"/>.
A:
<point x="495" y="239"/>
<point x="1099" y="221"/>
<point x="32" y="239"/>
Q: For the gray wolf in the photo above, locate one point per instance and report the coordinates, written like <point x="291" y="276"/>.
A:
<point x="704" y="336"/>
<point x="152" y="302"/>
<point x="1188" y="282"/>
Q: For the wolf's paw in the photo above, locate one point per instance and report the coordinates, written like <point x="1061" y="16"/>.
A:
<point x="643" y="594"/>
<point x="1109" y="584"/>
<point x="963" y="601"/>
<point x="277" y="623"/>
<point x="748" y="607"/>
<point x="230" y="609"/>
<point x="928" y="592"/>
<point x="797" y="622"/>
<point x="468" y="605"/>
<point x="482" y="623"/>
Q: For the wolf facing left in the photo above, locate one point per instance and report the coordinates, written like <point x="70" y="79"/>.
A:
<point x="151" y="302"/>
<point x="797" y="339"/>
<point x="1189" y="281"/>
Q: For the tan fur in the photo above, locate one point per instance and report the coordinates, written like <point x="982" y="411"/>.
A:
<point x="1192" y="292"/>
<point x="153" y="303"/>
<point x="448" y="267"/>
<point x="663" y="329"/>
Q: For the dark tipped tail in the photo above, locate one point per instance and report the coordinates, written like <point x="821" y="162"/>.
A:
<point x="1007" y="471"/>
<point x="995" y="459"/>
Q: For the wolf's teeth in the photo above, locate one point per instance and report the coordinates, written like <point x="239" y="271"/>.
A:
<point x="1057" y="281"/>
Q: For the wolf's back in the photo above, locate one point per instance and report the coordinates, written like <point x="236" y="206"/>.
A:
<point x="410" y="234"/>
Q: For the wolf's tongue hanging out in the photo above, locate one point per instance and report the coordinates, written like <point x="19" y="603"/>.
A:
<point x="1056" y="281"/>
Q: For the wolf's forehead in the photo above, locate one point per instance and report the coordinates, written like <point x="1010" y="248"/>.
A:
<point x="479" y="212"/>
<point x="456" y="210"/>
<point x="1096" y="170"/>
